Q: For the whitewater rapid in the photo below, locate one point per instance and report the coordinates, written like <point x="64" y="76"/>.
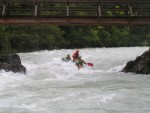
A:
<point x="53" y="86"/>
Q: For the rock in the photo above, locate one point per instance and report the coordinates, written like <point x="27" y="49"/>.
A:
<point x="10" y="59"/>
<point x="141" y="65"/>
<point x="12" y="63"/>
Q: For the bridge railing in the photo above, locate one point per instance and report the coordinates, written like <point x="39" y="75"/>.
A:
<point x="1" y="8"/>
<point x="75" y="8"/>
<point x="141" y="9"/>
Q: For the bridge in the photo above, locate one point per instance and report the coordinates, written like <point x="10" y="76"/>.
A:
<point x="75" y="12"/>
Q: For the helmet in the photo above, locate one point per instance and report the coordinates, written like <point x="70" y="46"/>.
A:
<point x="77" y="50"/>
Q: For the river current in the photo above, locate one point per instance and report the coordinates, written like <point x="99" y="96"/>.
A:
<point x="53" y="86"/>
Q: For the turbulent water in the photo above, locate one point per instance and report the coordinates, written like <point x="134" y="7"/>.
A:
<point x="53" y="86"/>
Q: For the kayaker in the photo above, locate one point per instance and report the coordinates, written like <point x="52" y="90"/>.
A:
<point x="80" y="62"/>
<point x="75" y="55"/>
<point x="67" y="58"/>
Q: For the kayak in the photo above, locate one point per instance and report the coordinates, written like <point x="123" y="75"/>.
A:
<point x="65" y="60"/>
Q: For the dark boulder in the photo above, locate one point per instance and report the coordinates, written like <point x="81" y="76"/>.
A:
<point x="141" y="65"/>
<point x="10" y="59"/>
<point x="11" y="63"/>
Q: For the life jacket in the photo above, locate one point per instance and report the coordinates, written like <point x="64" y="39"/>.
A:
<point x="79" y="62"/>
<point x="75" y="55"/>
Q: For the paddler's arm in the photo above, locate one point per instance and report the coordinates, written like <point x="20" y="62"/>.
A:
<point x="83" y="61"/>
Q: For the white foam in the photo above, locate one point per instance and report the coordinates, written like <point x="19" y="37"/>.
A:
<point x="51" y="85"/>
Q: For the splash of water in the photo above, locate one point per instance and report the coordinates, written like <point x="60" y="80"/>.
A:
<point x="53" y="86"/>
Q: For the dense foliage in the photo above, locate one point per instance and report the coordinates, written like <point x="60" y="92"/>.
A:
<point x="17" y="38"/>
<point x="20" y="38"/>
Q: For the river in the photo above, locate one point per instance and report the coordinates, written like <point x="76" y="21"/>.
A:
<point x="53" y="86"/>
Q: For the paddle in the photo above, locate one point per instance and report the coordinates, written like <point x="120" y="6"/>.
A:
<point x="90" y="64"/>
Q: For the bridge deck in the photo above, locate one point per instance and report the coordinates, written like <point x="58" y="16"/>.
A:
<point x="75" y="12"/>
<point x="77" y="21"/>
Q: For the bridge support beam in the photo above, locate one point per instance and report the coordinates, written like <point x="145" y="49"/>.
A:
<point x="130" y="11"/>
<point x="36" y="9"/>
<point x="4" y="10"/>
<point x="75" y="21"/>
<point x="99" y="11"/>
<point x="67" y="7"/>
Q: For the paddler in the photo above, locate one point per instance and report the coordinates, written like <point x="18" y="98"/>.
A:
<point x="75" y="55"/>
<point x="80" y="62"/>
<point x="67" y="58"/>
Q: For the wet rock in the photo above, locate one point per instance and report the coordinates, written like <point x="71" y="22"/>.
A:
<point x="141" y="65"/>
<point x="11" y="63"/>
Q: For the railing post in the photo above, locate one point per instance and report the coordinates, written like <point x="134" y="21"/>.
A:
<point x="67" y="7"/>
<point x="130" y="11"/>
<point x="4" y="8"/>
<point x="99" y="10"/>
<point x="36" y="8"/>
